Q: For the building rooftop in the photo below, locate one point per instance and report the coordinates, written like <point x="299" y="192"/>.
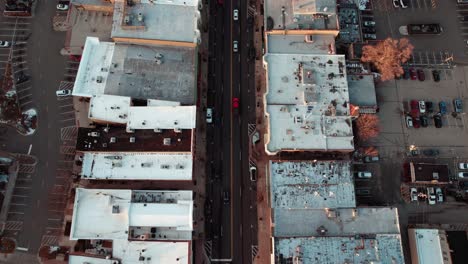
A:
<point x="117" y="139"/>
<point x="137" y="166"/>
<point x="367" y="249"/>
<point x="335" y="222"/>
<point x="109" y="108"/>
<point x="362" y="90"/>
<point x="110" y="214"/>
<point x="140" y="72"/>
<point x="427" y="243"/>
<point x="162" y="117"/>
<point x="301" y="44"/>
<point x="429" y="172"/>
<point x="169" y="20"/>
<point x="80" y="259"/>
<point x="311" y="185"/>
<point x="300" y="14"/>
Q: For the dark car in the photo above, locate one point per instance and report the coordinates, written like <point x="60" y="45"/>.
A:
<point x="442" y="107"/>
<point x="424" y="122"/>
<point x="431" y="152"/>
<point x="413" y="74"/>
<point x="437" y="121"/>
<point x="424" y="29"/>
<point x="414" y="106"/>
<point x="363" y="192"/>
<point x="458" y="105"/>
<point x="416" y="122"/>
<point x="368" y="30"/>
<point x="436" y="75"/>
<point x="406" y="74"/>
<point x="421" y="75"/>
<point x="226" y="197"/>
<point x="429" y="107"/>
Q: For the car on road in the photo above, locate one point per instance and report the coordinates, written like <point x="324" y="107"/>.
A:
<point x="369" y="23"/>
<point x="369" y="159"/>
<point x="406" y="73"/>
<point x="439" y="194"/>
<point x="463" y="174"/>
<point x="370" y="36"/>
<point x="62" y="7"/>
<point x="226" y="198"/>
<point x="442" y="107"/>
<point x="235" y="102"/>
<point x="414" y="194"/>
<point x="463" y="166"/>
<point x="404" y="3"/>
<point x="421" y="75"/>
<point x="61" y="93"/>
<point x="413" y="74"/>
<point x="4" y="44"/>
<point x="431" y="197"/>
<point x="436" y="75"/>
<point x="253" y="173"/>
<point x="235" y="14"/>
<point x="458" y="105"/>
<point x="437" y="121"/>
<point x="424" y="121"/>
<point x="429" y="107"/>
<point x="416" y="122"/>
<point x="364" y="174"/>
<point x="363" y="192"/>
<point x="409" y="121"/>
<point x="235" y="46"/>
<point x="422" y="107"/>
<point x="209" y="115"/>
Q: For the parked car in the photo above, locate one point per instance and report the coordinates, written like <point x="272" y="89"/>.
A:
<point x="226" y="198"/>
<point x="421" y="75"/>
<point x="429" y="107"/>
<point x="414" y="105"/>
<point x="235" y="14"/>
<point x="235" y="102"/>
<point x="253" y="173"/>
<point x="424" y="122"/>
<point x="458" y="105"/>
<point x="442" y="107"/>
<point x="406" y="74"/>
<point x="436" y="75"/>
<point x="4" y="44"/>
<point x="364" y="174"/>
<point x="416" y="122"/>
<point x="424" y="29"/>
<point x="370" y="36"/>
<point x="439" y="194"/>
<point x="235" y="46"/>
<point x="437" y="121"/>
<point x="62" y="7"/>
<point x="414" y="194"/>
<point x="431" y="197"/>
<point x="409" y="121"/>
<point x="413" y="74"/>
<point x="463" y="174"/>
<point x="422" y="107"/>
<point x="463" y="166"/>
<point x="404" y="3"/>
<point x="396" y="3"/>
<point x="61" y="93"/>
<point x="369" y="23"/>
<point x="369" y="159"/>
<point x="431" y="152"/>
<point x="363" y="192"/>
<point x="209" y="115"/>
<point x="368" y="30"/>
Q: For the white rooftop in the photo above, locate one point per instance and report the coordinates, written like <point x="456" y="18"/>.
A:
<point x="162" y="117"/>
<point x="137" y="166"/>
<point x="109" y="108"/>
<point x="154" y="102"/>
<point x="108" y="214"/>
<point x="79" y="259"/>
<point x="428" y="245"/>
<point x="169" y="20"/>
<point x="311" y="185"/>
<point x="379" y="249"/>
<point x="130" y="252"/>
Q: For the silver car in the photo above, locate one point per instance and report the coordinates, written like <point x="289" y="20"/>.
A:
<point x="235" y="46"/>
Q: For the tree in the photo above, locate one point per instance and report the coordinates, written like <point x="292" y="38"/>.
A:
<point x="387" y="56"/>
<point x="367" y="126"/>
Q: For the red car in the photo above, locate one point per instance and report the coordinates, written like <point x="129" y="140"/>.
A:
<point x="421" y="75"/>
<point x="413" y="74"/>
<point x="416" y="122"/>
<point x="414" y="106"/>
<point x="235" y="102"/>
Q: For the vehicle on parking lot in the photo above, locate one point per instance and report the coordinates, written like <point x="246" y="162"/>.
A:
<point x="368" y="30"/>
<point x="414" y="194"/>
<point x="226" y="198"/>
<point x="406" y="73"/>
<point x="442" y="107"/>
<point x="409" y="121"/>
<point x="429" y="107"/>
<point x="424" y="29"/>
<point x="369" y="23"/>
<point x="437" y="121"/>
<point x="463" y="166"/>
<point x="4" y="44"/>
<point x="235" y="46"/>
<point x="431" y="152"/>
<point x="369" y="159"/>
<point x="363" y="192"/>
<point x="62" y="7"/>
<point x="209" y="115"/>
<point x="463" y="174"/>
<point x="61" y="93"/>
<point x="439" y="194"/>
<point x="364" y="174"/>
<point x="235" y="14"/>
<point x="396" y="3"/>
<point x="421" y="75"/>
<point x="416" y="122"/>
<point x="404" y="3"/>
<point x="431" y="197"/>
<point x="436" y="75"/>
<point x="422" y="107"/>
<point x="235" y="102"/>
<point x="458" y="105"/>
<point x="413" y="74"/>
<point x="424" y="122"/>
<point x="414" y="105"/>
<point x="370" y="36"/>
<point x="253" y="173"/>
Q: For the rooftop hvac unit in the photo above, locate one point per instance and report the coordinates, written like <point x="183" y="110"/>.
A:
<point x="113" y="140"/>
<point x="165" y="166"/>
<point x="116" y="164"/>
<point x="99" y="79"/>
<point x="127" y="20"/>
<point x="146" y="164"/>
<point x="157" y="130"/>
<point x="140" y="17"/>
<point x="132" y="139"/>
<point x="167" y="141"/>
<point x="115" y="209"/>
<point x="130" y="130"/>
<point x="177" y="130"/>
<point x="179" y="167"/>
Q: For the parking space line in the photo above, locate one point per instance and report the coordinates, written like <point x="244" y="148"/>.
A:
<point x="65" y="120"/>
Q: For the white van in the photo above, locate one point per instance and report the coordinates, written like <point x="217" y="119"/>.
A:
<point x="209" y="115"/>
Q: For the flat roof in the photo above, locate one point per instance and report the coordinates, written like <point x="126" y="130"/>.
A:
<point x="154" y="252"/>
<point x="311" y="185"/>
<point x="381" y="248"/>
<point x="109" y="108"/>
<point x="137" y="166"/>
<point x="171" y="20"/>
<point x="429" y="172"/>
<point x="362" y="90"/>
<point x="428" y="246"/>
<point x="154" y="102"/>
<point x="301" y="44"/>
<point x="108" y="214"/>
<point x="90" y="259"/>
<point x="308" y="103"/>
<point x="117" y="139"/>
<point x="301" y="14"/>
<point x="336" y="222"/>
<point x="162" y="117"/>
<point x="140" y="72"/>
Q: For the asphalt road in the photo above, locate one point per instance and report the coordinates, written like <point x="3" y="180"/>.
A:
<point x="231" y="224"/>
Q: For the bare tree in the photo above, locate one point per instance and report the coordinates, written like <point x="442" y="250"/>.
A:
<point x="367" y="126"/>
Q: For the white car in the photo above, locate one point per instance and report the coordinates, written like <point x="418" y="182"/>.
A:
<point x="404" y="3"/>
<point x="463" y="174"/>
<point x="396" y="3"/>
<point x="422" y="107"/>
<point x="209" y="115"/>
<point x="4" y="44"/>
<point x="61" y="93"/>
<point x="253" y="173"/>
<point x="414" y="194"/>
<point x="235" y="15"/>
<point x="235" y="46"/>
<point x="62" y="7"/>
<point x="463" y="166"/>
<point x="409" y="121"/>
<point x="440" y="195"/>
<point x="364" y="174"/>
<point x="431" y="198"/>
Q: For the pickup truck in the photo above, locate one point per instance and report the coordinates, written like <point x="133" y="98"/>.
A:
<point x="421" y="29"/>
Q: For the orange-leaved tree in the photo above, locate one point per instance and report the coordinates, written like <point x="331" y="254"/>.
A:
<point x="387" y="56"/>
<point x="367" y="126"/>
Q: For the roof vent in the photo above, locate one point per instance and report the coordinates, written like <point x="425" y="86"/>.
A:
<point x="140" y="17"/>
<point x="165" y="166"/>
<point x="99" y="79"/>
<point x="115" y="209"/>
<point x="146" y="164"/>
<point x="167" y="141"/>
<point x="132" y="139"/>
<point x="127" y="20"/>
<point x="157" y="130"/>
<point x="177" y="130"/>
<point x="180" y="167"/>
<point x="113" y="140"/>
